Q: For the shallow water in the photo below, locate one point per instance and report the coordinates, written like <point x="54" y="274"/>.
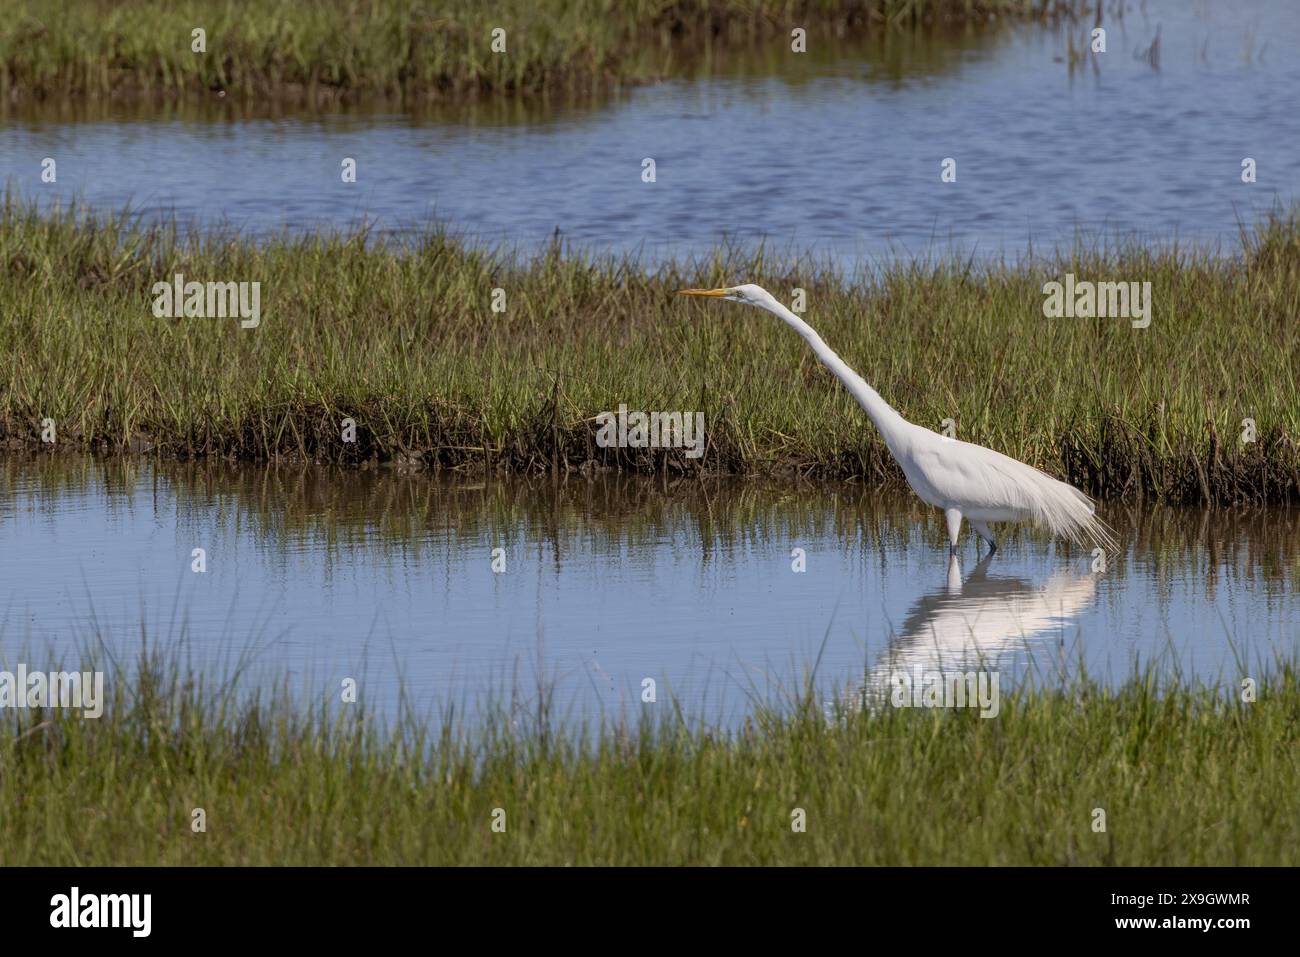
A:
<point x="836" y="152"/>
<point x="388" y="578"/>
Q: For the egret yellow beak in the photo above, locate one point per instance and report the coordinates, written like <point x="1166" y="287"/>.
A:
<point x="703" y="292"/>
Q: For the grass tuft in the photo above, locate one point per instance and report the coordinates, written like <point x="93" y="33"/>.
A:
<point x="260" y="49"/>
<point x="1186" y="775"/>
<point x="403" y="339"/>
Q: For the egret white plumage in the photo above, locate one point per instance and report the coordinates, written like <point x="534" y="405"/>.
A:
<point x="961" y="479"/>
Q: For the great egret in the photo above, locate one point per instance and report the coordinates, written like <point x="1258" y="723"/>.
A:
<point x="961" y="479"/>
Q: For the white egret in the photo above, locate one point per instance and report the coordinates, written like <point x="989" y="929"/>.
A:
<point x="961" y="479"/>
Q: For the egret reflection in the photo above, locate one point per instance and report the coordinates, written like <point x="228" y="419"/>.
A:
<point x="977" y="623"/>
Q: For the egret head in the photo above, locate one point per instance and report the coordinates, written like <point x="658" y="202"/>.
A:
<point x="749" y="294"/>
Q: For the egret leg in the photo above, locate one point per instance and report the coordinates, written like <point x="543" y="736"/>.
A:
<point x="953" y="517"/>
<point x="985" y="534"/>
<point x="981" y="569"/>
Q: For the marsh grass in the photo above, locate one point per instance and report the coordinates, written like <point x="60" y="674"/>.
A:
<point x="403" y="339"/>
<point x="1186" y="775"/>
<point x="60" y="49"/>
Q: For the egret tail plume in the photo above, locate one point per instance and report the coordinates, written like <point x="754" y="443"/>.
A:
<point x="1046" y="501"/>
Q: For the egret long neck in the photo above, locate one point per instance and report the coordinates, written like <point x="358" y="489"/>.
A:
<point x="890" y="424"/>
